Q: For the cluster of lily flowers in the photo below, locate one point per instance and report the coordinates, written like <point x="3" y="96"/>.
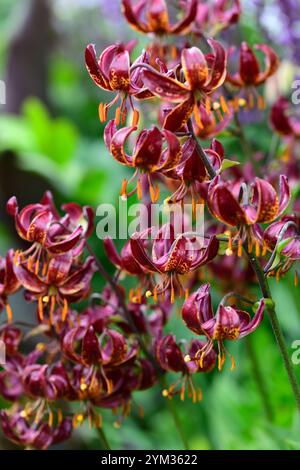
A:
<point x="99" y="356"/>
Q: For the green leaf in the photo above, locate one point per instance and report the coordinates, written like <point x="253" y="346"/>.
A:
<point x="228" y="164"/>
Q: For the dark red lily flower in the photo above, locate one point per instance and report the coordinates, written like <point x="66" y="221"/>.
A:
<point x="125" y="261"/>
<point x="242" y="206"/>
<point x="213" y="17"/>
<point x="249" y="73"/>
<point x="282" y="120"/>
<point x="191" y="170"/>
<point x="203" y="75"/>
<point x="9" y="283"/>
<point x="172" y="256"/>
<point x="284" y="236"/>
<point x="63" y="283"/>
<point x="41" y="225"/>
<point x="111" y="72"/>
<point x="154" y="151"/>
<point x="228" y="322"/>
<point x="171" y="358"/>
<point x="210" y="125"/>
<point x="152" y="16"/>
<point x="44" y="381"/>
<point x="18" y="429"/>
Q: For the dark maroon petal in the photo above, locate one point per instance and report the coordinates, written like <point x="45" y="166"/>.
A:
<point x="114" y="350"/>
<point x="63" y="246"/>
<point x="271" y="63"/>
<point x="58" y="269"/>
<point x="90" y="350"/>
<point x="79" y="282"/>
<point x="217" y="66"/>
<point x="148" y="149"/>
<point x="249" y="68"/>
<point x="117" y="145"/>
<point x="131" y="16"/>
<point x="224" y="206"/>
<point x="93" y="68"/>
<point x="178" y="116"/>
<point x="255" y="322"/>
<point x="197" y="309"/>
<point x="29" y="280"/>
<point x="111" y="252"/>
<point x="141" y="256"/>
<point x="268" y="204"/>
<point x="279" y="117"/>
<point x="164" y="87"/>
<point x="119" y="71"/>
<point x="284" y="194"/>
<point x="169" y="355"/>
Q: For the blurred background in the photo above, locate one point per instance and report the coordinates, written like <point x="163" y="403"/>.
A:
<point x="51" y="138"/>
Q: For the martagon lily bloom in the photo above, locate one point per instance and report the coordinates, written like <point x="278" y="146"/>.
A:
<point x="152" y="16"/>
<point x="229" y="322"/>
<point x="111" y="72"/>
<point x="154" y="151"/>
<point x="242" y="206"/>
<point x="171" y="358"/>
<point x="203" y="74"/>
<point x="9" y="283"/>
<point x="282" y="120"/>
<point x="213" y="17"/>
<point x="63" y="282"/>
<point x="172" y="256"/>
<point x="250" y="75"/>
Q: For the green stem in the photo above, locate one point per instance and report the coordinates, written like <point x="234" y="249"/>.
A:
<point x="259" y="379"/>
<point x="177" y="423"/>
<point x="103" y="439"/>
<point x="266" y="293"/>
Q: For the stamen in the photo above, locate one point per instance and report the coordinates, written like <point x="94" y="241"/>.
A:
<point x="296" y="278"/>
<point x="9" y="313"/>
<point x="64" y="311"/>
<point x="118" y="115"/>
<point x="148" y="294"/>
<point x="186" y="294"/>
<point x="123" y="188"/>
<point x="52" y="307"/>
<point x="251" y="101"/>
<point x="155" y="296"/>
<point x="135" y="118"/>
<point x="257" y="248"/>
<point x="59" y="416"/>
<point x="50" y="419"/>
<point x="207" y="105"/>
<point x="240" y="248"/>
<point x="261" y="103"/>
<point x="172" y="299"/>
<point x="40" y="309"/>
<point x="264" y="249"/>
<point x="224" y="105"/>
<point x="123" y="116"/>
<point x="101" y="112"/>
<point x="139" y="190"/>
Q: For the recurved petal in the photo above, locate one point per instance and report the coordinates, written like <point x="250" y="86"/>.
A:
<point x="114" y="350"/>
<point x="284" y="194"/>
<point x="29" y="280"/>
<point x="79" y="281"/>
<point x="59" y="268"/>
<point x="271" y="63"/>
<point x="217" y="65"/>
<point x="255" y="322"/>
<point x="117" y="145"/>
<point x="148" y="149"/>
<point x="178" y="116"/>
<point x="90" y="350"/>
<point x="195" y="67"/>
<point x="65" y="245"/>
<point x="183" y="26"/>
<point x="93" y="68"/>
<point x="111" y="252"/>
<point x="204" y="256"/>
<point x="172" y="155"/>
<point x="224" y="206"/>
<point x="249" y="67"/>
<point x="169" y="355"/>
<point x="131" y="15"/>
<point x="39" y="226"/>
<point x="267" y="201"/>
<point x="165" y="87"/>
<point x="141" y="256"/>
